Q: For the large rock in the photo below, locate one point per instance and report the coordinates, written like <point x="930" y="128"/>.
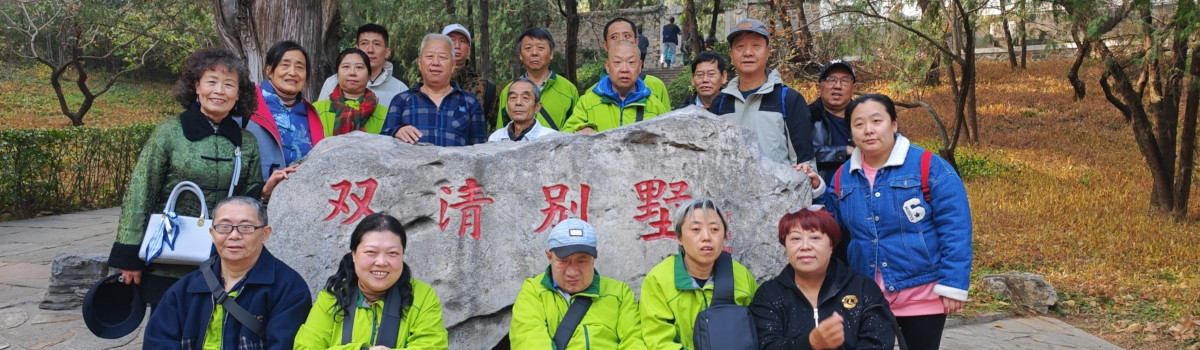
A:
<point x="624" y="181"/>
<point x="71" y="275"/>
<point x="1026" y="290"/>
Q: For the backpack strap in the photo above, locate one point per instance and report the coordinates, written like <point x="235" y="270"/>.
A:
<point x="641" y="113"/>
<point x="783" y="101"/>
<point x="546" y="117"/>
<point x="837" y="180"/>
<point x="925" y="159"/>
<point x="389" y="327"/>
<point x="221" y="297"/>
<point x="570" y="321"/>
<point x="723" y="280"/>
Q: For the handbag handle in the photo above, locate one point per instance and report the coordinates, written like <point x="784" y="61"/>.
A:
<point x="192" y="187"/>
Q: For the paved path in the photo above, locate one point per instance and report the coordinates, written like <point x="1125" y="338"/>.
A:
<point x="28" y="247"/>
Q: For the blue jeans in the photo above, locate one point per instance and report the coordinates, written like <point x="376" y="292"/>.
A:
<point x="669" y="53"/>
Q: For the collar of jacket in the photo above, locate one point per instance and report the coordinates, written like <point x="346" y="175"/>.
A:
<point x="262" y="273"/>
<point x="899" y="152"/>
<point x="453" y="87"/>
<point x="382" y="77"/>
<point x="773" y="78"/>
<point x="196" y="126"/>
<point x="549" y="79"/>
<point x="836" y="277"/>
<point x="683" y="280"/>
<point x="592" y="290"/>
<point x="605" y="90"/>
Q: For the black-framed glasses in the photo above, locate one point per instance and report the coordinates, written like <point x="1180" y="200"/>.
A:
<point x="814" y="207"/>
<point x="243" y="229"/>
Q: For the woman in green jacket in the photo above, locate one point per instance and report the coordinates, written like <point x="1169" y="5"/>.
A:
<point x="352" y="106"/>
<point x="681" y="286"/>
<point x="375" y="291"/>
<point x="198" y="146"/>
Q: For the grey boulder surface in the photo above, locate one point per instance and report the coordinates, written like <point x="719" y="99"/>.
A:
<point x="477" y="217"/>
<point x="1029" y="291"/>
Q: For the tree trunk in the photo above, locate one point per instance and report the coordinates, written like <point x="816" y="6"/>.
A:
<point x="570" y="10"/>
<point x="1021" y="31"/>
<point x="712" y="26"/>
<point x="1187" y="140"/>
<point x="485" y="40"/>
<point x="804" y="37"/>
<point x="691" y="27"/>
<point x="1008" y="37"/>
<point x="250" y="27"/>
<point x="450" y="7"/>
<point x="1143" y="130"/>
<point x="1082" y="48"/>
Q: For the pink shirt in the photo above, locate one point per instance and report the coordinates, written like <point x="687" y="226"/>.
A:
<point x="915" y="301"/>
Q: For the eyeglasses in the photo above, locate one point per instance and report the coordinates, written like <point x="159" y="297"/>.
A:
<point x="243" y="229"/>
<point x="834" y="80"/>
<point x="708" y="75"/>
<point x="814" y="207"/>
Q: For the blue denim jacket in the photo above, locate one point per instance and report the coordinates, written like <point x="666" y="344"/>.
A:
<point x="912" y="242"/>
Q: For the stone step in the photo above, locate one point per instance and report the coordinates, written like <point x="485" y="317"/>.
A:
<point x="666" y="74"/>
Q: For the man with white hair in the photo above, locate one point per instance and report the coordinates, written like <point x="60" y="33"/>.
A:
<point x="435" y="111"/>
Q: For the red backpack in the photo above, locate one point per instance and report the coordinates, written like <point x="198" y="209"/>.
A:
<point x="925" y="158"/>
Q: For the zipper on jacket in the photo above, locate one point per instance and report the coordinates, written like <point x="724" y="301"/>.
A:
<point x="816" y="318"/>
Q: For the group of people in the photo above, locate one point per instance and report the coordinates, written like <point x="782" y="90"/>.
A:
<point x="886" y="253"/>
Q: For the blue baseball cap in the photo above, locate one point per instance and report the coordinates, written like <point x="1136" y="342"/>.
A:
<point x="572" y="236"/>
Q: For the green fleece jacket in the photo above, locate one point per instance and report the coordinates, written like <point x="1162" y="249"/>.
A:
<point x="185" y="148"/>
<point x="671" y="300"/>
<point x="420" y="328"/>
<point x="610" y="323"/>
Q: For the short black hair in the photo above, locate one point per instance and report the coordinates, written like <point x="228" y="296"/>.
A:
<point x="615" y="20"/>
<point x="275" y="54"/>
<point x="372" y="28"/>
<point x="709" y="56"/>
<point x="887" y="103"/>
<point x="536" y="33"/>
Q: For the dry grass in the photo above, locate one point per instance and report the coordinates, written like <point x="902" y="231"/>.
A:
<point x="1073" y="206"/>
<point x="28" y="101"/>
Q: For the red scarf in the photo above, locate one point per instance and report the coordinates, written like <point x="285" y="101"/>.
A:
<point x="350" y="119"/>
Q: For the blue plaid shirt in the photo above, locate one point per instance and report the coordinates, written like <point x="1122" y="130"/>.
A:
<point x="457" y="122"/>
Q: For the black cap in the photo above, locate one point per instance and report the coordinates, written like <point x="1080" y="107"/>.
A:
<point x="113" y="309"/>
<point x="836" y="63"/>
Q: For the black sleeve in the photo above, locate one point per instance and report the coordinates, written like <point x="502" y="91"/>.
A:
<point x="770" y="321"/>
<point x="799" y="124"/>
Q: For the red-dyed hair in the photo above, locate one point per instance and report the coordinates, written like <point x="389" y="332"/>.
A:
<point x="812" y="220"/>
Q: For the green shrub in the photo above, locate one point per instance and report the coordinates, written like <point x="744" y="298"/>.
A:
<point x="681" y="88"/>
<point x="588" y="75"/>
<point x="66" y="169"/>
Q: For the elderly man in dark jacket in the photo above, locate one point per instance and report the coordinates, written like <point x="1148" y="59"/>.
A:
<point x="248" y="300"/>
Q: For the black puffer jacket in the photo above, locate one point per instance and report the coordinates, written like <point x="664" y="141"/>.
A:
<point x="784" y="317"/>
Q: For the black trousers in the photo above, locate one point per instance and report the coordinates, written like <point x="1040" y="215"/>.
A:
<point x="922" y="332"/>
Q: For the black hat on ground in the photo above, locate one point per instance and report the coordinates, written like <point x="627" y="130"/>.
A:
<point x="113" y="309"/>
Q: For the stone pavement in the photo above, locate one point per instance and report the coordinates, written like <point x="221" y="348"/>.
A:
<point x="28" y="247"/>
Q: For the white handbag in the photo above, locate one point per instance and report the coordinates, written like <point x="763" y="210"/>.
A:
<point x="182" y="240"/>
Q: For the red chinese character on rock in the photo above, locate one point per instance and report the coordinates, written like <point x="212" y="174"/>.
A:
<point x="651" y="192"/>
<point x="471" y="207"/>
<point x="362" y="205"/>
<point x="555" y="211"/>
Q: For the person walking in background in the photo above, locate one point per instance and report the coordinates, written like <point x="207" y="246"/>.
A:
<point x="910" y="221"/>
<point x="372" y="301"/>
<point x="643" y="45"/>
<point x="670" y="41"/>
<point x="372" y="39"/>
<point x="352" y="106"/>
<point x="436" y="111"/>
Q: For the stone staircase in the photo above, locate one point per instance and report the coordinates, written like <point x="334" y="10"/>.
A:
<point x="666" y="74"/>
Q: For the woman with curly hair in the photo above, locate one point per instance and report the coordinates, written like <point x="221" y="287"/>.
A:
<point x="200" y="146"/>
